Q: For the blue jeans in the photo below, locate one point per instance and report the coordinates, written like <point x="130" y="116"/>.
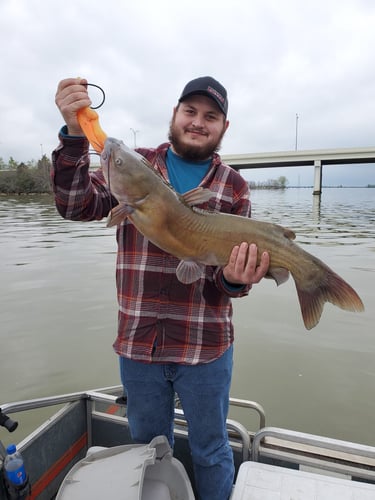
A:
<point x="204" y="394"/>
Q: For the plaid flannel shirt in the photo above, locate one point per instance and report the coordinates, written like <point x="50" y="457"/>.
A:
<point x="160" y="319"/>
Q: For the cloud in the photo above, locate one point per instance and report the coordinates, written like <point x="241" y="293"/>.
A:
<point x="276" y="59"/>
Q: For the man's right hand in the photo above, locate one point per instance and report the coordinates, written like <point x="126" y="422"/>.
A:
<point x="71" y="96"/>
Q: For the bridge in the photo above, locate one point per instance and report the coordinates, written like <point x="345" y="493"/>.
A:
<point x="316" y="158"/>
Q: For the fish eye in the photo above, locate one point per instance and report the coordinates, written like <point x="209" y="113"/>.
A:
<point x="118" y="161"/>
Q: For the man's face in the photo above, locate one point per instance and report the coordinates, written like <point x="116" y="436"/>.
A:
<point x="197" y="128"/>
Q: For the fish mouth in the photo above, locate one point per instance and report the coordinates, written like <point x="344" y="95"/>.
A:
<point x="105" y="158"/>
<point x="111" y="143"/>
<point x="109" y="146"/>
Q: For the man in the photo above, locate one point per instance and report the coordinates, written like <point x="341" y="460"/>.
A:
<point x="171" y="337"/>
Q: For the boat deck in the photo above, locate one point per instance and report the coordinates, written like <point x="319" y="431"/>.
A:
<point x="277" y="457"/>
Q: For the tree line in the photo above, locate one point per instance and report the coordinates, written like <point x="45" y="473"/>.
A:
<point x="30" y="177"/>
<point x="34" y="177"/>
<point x="279" y="183"/>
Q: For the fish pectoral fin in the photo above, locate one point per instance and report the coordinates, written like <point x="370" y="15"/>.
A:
<point x="197" y="195"/>
<point x="279" y="274"/>
<point x="119" y="214"/>
<point x="189" y="271"/>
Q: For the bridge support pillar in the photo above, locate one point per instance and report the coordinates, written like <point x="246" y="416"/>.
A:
<point x="317" y="177"/>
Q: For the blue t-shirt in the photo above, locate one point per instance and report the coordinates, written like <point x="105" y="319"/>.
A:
<point x="184" y="174"/>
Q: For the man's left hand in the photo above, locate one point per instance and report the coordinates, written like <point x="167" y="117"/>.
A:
<point x="242" y="268"/>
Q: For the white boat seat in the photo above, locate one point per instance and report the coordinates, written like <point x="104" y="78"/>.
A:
<point x="131" y="472"/>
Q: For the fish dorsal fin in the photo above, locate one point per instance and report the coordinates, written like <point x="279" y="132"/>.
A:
<point x="118" y="214"/>
<point x="189" y="271"/>
<point x="288" y="233"/>
<point x="197" y="195"/>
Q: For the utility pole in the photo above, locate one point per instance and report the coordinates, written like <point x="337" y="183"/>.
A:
<point x="296" y="132"/>
<point x="135" y="132"/>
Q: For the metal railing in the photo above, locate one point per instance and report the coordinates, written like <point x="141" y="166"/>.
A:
<point x="334" y="455"/>
<point x="106" y="395"/>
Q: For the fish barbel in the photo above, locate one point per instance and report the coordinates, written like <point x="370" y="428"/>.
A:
<point x="200" y="238"/>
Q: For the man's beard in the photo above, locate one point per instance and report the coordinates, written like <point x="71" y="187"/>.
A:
<point x="189" y="152"/>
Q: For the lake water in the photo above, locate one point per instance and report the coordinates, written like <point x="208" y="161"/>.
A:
<point x="58" y="313"/>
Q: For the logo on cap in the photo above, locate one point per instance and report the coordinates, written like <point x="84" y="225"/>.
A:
<point x="216" y="94"/>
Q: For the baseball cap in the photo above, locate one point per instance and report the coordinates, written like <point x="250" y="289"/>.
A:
<point x="208" y="86"/>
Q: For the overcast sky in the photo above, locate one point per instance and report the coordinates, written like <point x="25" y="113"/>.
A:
<point x="277" y="59"/>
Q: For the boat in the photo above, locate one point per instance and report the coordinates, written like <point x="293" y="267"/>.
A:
<point x="271" y="462"/>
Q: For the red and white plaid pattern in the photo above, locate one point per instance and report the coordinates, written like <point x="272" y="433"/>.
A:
<point x="160" y="319"/>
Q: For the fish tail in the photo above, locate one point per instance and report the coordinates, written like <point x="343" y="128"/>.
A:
<point x="332" y="288"/>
